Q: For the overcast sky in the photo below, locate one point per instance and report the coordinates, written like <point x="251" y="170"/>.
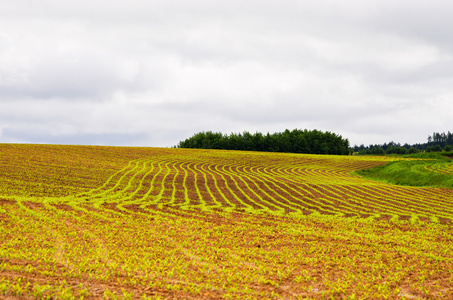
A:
<point x="152" y="73"/>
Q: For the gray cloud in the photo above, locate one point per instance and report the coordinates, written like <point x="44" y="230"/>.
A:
<point x="153" y="73"/>
<point x="15" y="135"/>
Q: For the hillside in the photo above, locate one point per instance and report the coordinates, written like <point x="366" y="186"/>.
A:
<point x="154" y="223"/>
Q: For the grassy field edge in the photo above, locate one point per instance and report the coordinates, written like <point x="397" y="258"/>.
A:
<point x="423" y="170"/>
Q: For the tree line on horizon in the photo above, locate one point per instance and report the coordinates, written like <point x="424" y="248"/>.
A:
<point x="437" y="142"/>
<point x="295" y="141"/>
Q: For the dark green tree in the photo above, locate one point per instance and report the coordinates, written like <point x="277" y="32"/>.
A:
<point x="296" y="141"/>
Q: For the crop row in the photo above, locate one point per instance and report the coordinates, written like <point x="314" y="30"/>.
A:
<point x="275" y="189"/>
<point x="445" y="168"/>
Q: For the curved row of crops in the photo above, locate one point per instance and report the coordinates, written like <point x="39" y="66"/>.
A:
<point x="241" y="182"/>
<point x="220" y="181"/>
<point x="445" y="168"/>
<point x="309" y="185"/>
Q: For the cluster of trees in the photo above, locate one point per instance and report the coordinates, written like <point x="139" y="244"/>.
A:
<point x="295" y="141"/>
<point x="442" y="139"/>
<point x="436" y="143"/>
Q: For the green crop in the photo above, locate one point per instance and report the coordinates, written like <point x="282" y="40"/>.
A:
<point x="149" y="223"/>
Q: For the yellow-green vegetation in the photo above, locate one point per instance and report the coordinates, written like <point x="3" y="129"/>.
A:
<point x="130" y="223"/>
<point x="429" y="169"/>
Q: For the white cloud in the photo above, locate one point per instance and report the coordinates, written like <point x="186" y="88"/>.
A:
<point x="160" y="71"/>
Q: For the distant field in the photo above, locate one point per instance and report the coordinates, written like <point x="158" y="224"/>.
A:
<point x="423" y="169"/>
<point x="107" y="222"/>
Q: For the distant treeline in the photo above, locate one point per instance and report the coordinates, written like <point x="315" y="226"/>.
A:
<point x="295" y="141"/>
<point x="436" y="143"/>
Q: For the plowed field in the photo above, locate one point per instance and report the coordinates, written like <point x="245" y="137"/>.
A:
<point x="116" y="222"/>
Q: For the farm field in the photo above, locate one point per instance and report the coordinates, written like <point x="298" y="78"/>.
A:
<point x="157" y="223"/>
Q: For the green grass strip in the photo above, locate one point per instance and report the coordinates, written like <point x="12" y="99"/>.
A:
<point x="410" y="173"/>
